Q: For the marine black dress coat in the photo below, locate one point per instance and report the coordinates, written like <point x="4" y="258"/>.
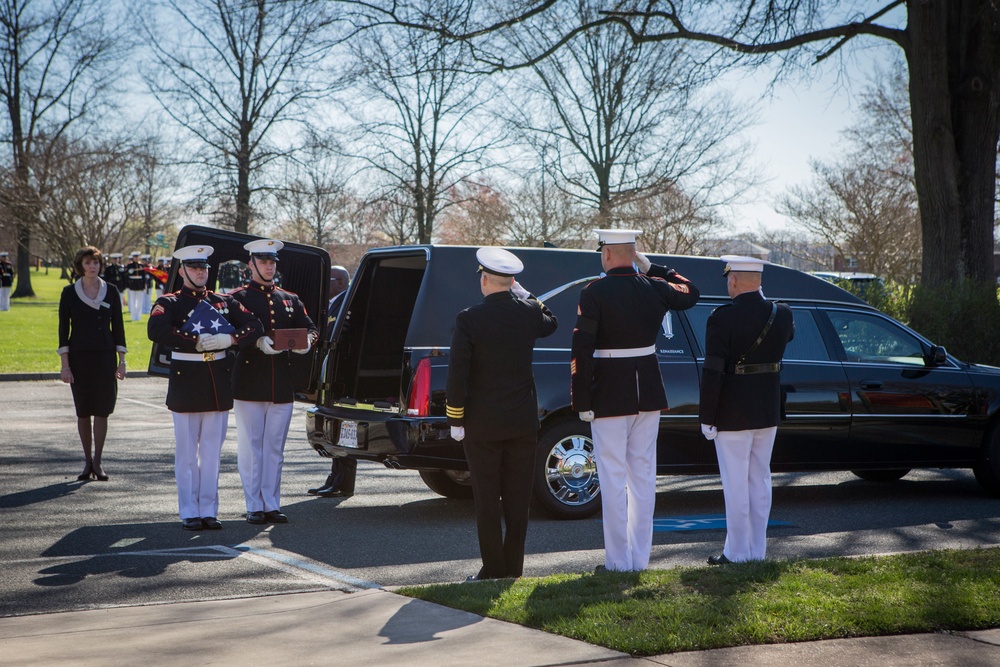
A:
<point x="623" y="310"/>
<point x="199" y="386"/>
<point x="738" y="402"/>
<point x="259" y="376"/>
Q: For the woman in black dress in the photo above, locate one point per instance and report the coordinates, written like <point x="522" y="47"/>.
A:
<point x="92" y="349"/>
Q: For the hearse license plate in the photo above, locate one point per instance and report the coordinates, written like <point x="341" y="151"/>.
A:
<point x="348" y="434"/>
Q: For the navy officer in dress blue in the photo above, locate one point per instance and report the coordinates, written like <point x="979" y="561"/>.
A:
<point x="741" y="402"/>
<point x="263" y="383"/>
<point x="616" y="385"/>
<point x="199" y="393"/>
<point x="492" y="406"/>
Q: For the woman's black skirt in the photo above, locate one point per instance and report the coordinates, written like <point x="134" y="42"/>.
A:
<point x="95" y="387"/>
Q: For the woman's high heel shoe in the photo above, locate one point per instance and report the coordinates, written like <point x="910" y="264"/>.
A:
<point x="101" y="476"/>
<point x="86" y="474"/>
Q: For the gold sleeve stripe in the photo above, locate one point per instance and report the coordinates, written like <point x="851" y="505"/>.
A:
<point x="455" y="413"/>
<point x="572" y="367"/>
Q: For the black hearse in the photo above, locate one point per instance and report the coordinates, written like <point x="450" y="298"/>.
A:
<point x="860" y="391"/>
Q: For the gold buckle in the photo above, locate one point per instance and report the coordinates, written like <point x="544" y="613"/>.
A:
<point x="208" y="356"/>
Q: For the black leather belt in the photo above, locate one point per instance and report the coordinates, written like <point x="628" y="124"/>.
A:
<point x="753" y="369"/>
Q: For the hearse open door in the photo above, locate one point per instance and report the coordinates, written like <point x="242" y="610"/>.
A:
<point x="303" y="269"/>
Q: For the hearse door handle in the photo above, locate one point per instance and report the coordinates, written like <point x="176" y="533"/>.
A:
<point x="871" y="384"/>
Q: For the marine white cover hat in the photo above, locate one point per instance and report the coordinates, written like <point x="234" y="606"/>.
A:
<point x="4" y="254"/>
<point x="194" y="254"/>
<point x="741" y="263"/>
<point x="264" y="248"/>
<point x="615" y="236"/>
<point x="135" y="253"/>
<point x="115" y="255"/>
<point x="499" y="262"/>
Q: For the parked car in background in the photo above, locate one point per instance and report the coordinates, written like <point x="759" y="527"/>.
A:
<point x="860" y="391"/>
<point x="854" y="282"/>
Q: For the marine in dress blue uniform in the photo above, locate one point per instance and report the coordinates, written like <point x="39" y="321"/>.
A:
<point x="6" y="280"/>
<point x="492" y="406"/>
<point x="616" y="385"/>
<point x="263" y="384"/>
<point x="114" y="273"/>
<point x="199" y="393"/>
<point x="740" y="404"/>
<point x="135" y="286"/>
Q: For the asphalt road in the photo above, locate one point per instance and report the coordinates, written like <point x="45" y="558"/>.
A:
<point x="68" y="545"/>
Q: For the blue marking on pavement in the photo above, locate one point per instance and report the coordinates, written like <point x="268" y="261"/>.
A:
<point x="670" y="524"/>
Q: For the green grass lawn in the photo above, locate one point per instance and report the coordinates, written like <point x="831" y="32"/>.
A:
<point x="29" y="331"/>
<point x="684" y="609"/>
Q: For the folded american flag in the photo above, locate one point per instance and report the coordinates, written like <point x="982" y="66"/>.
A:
<point x="205" y="319"/>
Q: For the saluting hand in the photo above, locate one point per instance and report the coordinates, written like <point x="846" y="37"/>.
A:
<point x="642" y="262"/>
<point x="519" y="291"/>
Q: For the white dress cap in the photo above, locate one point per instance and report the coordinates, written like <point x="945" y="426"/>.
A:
<point x="615" y="236"/>
<point x="115" y="255"/>
<point x="499" y="262"/>
<point x="741" y="263"/>
<point x="135" y="253"/>
<point x="194" y="254"/>
<point x="264" y="248"/>
<point x="4" y="254"/>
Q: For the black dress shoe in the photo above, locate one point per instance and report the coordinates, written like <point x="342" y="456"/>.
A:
<point x="719" y="560"/>
<point x="211" y="523"/>
<point x="327" y="485"/>
<point x="330" y="492"/>
<point x="274" y="516"/>
<point x="256" y="517"/>
<point x="600" y="569"/>
<point x="192" y="524"/>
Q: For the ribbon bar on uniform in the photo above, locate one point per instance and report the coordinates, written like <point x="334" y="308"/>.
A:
<point x="200" y="356"/>
<point x="624" y="352"/>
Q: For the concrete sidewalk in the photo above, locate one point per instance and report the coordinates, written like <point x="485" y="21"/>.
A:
<point x="377" y="627"/>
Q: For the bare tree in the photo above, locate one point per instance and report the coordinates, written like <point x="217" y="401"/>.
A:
<point x="418" y="131"/>
<point x="670" y="221"/>
<point x="626" y="120"/>
<point x="233" y="73"/>
<point x="55" y="64"/>
<point x="865" y="203"/>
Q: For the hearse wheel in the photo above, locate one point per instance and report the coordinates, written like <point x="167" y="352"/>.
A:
<point x="448" y="483"/>
<point x="566" y="482"/>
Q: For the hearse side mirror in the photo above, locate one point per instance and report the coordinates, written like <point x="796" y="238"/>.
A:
<point x="936" y="356"/>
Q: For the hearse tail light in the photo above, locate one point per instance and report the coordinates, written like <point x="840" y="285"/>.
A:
<point x="420" y="393"/>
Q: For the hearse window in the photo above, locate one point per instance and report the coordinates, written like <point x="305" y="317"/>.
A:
<point x="872" y="339"/>
<point x="806" y="346"/>
<point x="672" y="342"/>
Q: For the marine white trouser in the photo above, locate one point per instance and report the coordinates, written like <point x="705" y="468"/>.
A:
<point x="135" y="297"/>
<point x="4" y="298"/>
<point x="147" y="301"/>
<point x="745" y="465"/>
<point x="261" y="429"/>
<point x="625" y="448"/>
<point x="199" y="437"/>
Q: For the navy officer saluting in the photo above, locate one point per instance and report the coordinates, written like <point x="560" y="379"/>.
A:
<point x="263" y="383"/>
<point x="741" y="402"/>
<point x="616" y="386"/>
<point x="492" y="406"/>
<point x="199" y="393"/>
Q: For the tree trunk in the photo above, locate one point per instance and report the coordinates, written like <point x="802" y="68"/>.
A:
<point x="23" y="288"/>
<point x="935" y="160"/>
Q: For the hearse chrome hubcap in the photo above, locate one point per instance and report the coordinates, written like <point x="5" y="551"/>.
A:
<point x="571" y="471"/>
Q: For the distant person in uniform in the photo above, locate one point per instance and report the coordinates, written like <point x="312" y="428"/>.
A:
<point x="617" y="387"/>
<point x="263" y="386"/>
<point x="6" y="279"/>
<point x="200" y="390"/>
<point x="229" y="276"/>
<point x="92" y="350"/>
<point x="492" y="406"/>
<point x="147" y="298"/>
<point x="343" y="470"/>
<point x="741" y="402"/>
<point x="135" y="285"/>
<point x="114" y="273"/>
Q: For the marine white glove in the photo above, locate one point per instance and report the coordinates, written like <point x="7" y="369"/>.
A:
<point x="212" y="342"/>
<point x="587" y="416"/>
<point x="458" y="433"/>
<point x="519" y="291"/>
<point x="266" y="345"/>
<point x="709" y="431"/>
<point x="200" y="345"/>
<point x="306" y="349"/>
<point x="642" y="262"/>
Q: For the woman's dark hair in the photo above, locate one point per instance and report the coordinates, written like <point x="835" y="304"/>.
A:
<point x="83" y="253"/>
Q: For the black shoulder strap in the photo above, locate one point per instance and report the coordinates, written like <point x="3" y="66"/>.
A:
<point x="760" y="338"/>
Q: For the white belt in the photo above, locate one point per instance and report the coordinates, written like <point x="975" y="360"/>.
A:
<point x="623" y="352"/>
<point x="200" y="356"/>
